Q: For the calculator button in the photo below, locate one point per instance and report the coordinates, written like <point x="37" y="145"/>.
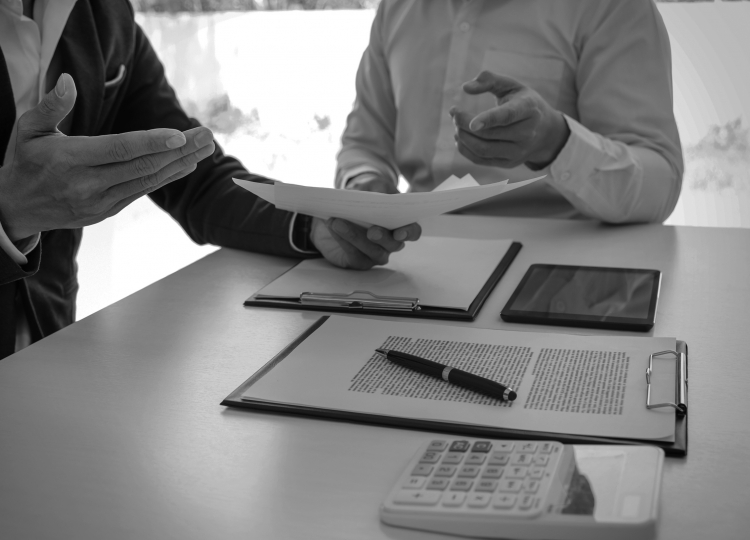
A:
<point x="504" y="447"/>
<point x="541" y="461"/>
<point x="478" y="500"/>
<point x="531" y="486"/>
<point x="475" y="459"/>
<point x="536" y="473"/>
<point x="521" y="459"/>
<point x="509" y="486"/>
<point x="453" y="498"/>
<point x="469" y="471"/>
<point x="430" y="457"/>
<point x="422" y="470"/>
<point x="461" y="484"/>
<point x="437" y="446"/>
<point x="499" y="458"/>
<point x="453" y="458"/>
<point x="492" y="472"/>
<point x="482" y="446"/>
<point x="459" y="446"/>
<point x="417" y="498"/>
<point x="503" y="501"/>
<point x="414" y="482"/>
<point x="546" y="448"/>
<point x="445" y="470"/>
<point x="438" y="483"/>
<point x="486" y="485"/>
<point x="528" y="448"/>
<point x="515" y="472"/>
<point x="526" y="502"/>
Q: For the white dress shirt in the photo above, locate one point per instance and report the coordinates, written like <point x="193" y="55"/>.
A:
<point x="605" y="64"/>
<point x="28" y="46"/>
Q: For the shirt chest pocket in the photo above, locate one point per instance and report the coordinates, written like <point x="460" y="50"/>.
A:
<point x="545" y="75"/>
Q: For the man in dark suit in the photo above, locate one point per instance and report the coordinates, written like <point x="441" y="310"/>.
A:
<point x="122" y="134"/>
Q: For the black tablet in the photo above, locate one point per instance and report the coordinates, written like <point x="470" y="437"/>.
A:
<point x="589" y="296"/>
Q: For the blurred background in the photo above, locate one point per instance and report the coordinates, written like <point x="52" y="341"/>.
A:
<point x="274" y="80"/>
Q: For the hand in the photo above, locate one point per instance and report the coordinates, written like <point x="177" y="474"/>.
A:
<point x="372" y="182"/>
<point x="523" y="128"/>
<point x="59" y="182"/>
<point x="350" y="246"/>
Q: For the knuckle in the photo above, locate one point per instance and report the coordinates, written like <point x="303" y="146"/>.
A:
<point x="148" y="182"/>
<point x="119" y="150"/>
<point x="485" y="74"/>
<point x="144" y="166"/>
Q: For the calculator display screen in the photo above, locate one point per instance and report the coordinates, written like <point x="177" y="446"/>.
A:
<point x="593" y="487"/>
<point x="556" y="294"/>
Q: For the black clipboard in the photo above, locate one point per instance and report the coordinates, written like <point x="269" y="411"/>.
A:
<point x="367" y="302"/>
<point x="678" y="448"/>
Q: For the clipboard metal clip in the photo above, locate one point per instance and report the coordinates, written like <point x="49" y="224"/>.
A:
<point x="680" y="383"/>
<point x="360" y="300"/>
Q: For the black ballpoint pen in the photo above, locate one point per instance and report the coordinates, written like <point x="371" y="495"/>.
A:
<point x="449" y="374"/>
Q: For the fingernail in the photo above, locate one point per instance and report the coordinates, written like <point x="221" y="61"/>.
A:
<point x="176" y="141"/>
<point x="400" y="236"/>
<point x="204" y="137"/>
<point x="477" y="126"/>
<point x="374" y="234"/>
<point x="340" y="227"/>
<point x="60" y="86"/>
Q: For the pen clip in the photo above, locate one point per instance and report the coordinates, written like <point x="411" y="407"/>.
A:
<point x="360" y="300"/>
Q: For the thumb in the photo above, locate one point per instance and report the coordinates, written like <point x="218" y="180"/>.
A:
<point x="487" y="81"/>
<point x="45" y="117"/>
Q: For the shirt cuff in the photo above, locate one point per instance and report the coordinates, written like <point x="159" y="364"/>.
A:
<point x="579" y="158"/>
<point x="346" y="176"/>
<point x="299" y="234"/>
<point x="18" y="250"/>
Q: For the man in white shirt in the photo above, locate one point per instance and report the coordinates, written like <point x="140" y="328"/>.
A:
<point x="579" y="90"/>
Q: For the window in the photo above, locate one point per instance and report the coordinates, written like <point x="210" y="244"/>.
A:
<point x="274" y="79"/>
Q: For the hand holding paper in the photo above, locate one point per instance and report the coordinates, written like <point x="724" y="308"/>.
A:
<point x="348" y="245"/>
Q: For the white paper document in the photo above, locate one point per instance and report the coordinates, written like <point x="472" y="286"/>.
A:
<point x="440" y="272"/>
<point x="580" y="385"/>
<point x="364" y="207"/>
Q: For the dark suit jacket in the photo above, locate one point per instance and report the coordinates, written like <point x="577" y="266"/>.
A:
<point x="100" y="36"/>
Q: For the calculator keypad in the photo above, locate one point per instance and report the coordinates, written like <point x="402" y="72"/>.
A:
<point x="501" y="477"/>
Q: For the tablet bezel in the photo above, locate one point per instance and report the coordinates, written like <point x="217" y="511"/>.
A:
<point x="585" y="321"/>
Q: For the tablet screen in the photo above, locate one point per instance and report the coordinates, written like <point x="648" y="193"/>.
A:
<point x="580" y="294"/>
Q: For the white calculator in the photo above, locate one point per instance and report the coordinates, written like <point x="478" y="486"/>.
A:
<point x="528" y="489"/>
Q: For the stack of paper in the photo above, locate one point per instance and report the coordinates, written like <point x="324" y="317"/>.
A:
<point x="368" y="208"/>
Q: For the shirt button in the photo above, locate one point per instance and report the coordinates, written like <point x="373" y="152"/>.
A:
<point x="464" y="26"/>
<point x="565" y="176"/>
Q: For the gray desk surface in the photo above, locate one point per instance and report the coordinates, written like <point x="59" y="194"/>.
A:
<point x="112" y="428"/>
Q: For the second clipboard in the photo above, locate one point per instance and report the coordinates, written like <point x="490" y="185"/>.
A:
<point x="400" y="289"/>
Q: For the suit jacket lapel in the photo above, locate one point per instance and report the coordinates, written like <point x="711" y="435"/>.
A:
<point x="7" y="107"/>
<point x="82" y="59"/>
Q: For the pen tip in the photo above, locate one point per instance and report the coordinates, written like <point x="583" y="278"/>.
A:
<point x="512" y="396"/>
<point x="381" y="351"/>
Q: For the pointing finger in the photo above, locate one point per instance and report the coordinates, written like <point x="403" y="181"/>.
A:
<point x="106" y="149"/>
<point x="149" y="164"/>
<point x="496" y="84"/>
<point x="506" y="114"/>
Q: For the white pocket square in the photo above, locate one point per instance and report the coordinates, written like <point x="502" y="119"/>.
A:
<point x="118" y="78"/>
